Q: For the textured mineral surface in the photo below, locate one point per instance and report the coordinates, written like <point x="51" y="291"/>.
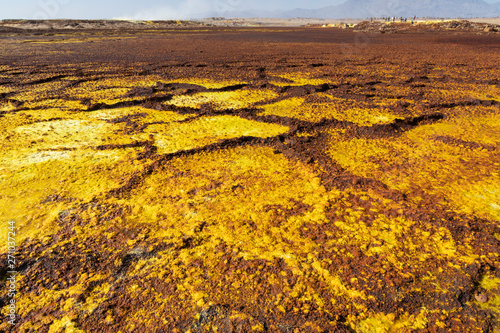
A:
<point x="251" y="180"/>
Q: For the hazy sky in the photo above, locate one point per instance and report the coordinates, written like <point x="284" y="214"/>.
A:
<point x="145" y="9"/>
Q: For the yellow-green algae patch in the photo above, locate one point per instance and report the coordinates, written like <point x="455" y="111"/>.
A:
<point x="9" y="121"/>
<point x="208" y="83"/>
<point x="286" y="108"/>
<point x="43" y="158"/>
<point x="470" y="124"/>
<point x="453" y="91"/>
<point x="398" y="241"/>
<point x="491" y="285"/>
<point x="145" y="115"/>
<point x="385" y="323"/>
<point x="115" y="81"/>
<point x="65" y="324"/>
<point x="5" y="89"/>
<point x="224" y="99"/>
<point x="103" y="95"/>
<point x="6" y="106"/>
<point x="40" y="91"/>
<point x="68" y="133"/>
<point x="334" y="108"/>
<point x="41" y="115"/>
<point x="29" y="132"/>
<point x="355" y="112"/>
<point x="170" y="138"/>
<point x="72" y="307"/>
<point x="42" y="185"/>
<point x="461" y="174"/>
<point x="240" y="195"/>
<point x="298" y="79"/>
<point x="246" y="226"/>
<point x="140" y="115"/>
<point x="52" y="103"/>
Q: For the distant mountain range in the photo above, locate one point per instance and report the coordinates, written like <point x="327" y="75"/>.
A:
<point x="383" y="8"/>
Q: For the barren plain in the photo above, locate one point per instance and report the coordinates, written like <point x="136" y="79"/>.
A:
<point x="251" y="179"/>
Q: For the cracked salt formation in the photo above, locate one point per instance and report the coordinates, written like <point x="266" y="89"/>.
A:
<point x="207" y="130"/>
<point x="156" y="187"/>
<point x="427" y="159"/>
<point x="223" y="100"/>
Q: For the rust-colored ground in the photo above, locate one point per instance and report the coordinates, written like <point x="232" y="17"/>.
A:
<point x="251" y="180"/>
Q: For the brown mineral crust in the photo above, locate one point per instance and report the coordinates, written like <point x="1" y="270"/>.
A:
<point x="463" y="143"/>
<point x="246" y="293"/>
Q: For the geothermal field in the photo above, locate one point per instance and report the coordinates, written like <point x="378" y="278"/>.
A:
<point x="181" y="177"/>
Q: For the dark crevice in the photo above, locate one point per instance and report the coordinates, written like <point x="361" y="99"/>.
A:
<point x="229" y="88"/>
<point x="396" y="128"/>
<point x="463" y="143"/>
<point x="123" y="146"/>
<point x="148" y="102"/>
<point x="474" y="102"/>
<point x="159" y="160"/>
<point x="302" y="148"/>
<point x="46" y="80"/>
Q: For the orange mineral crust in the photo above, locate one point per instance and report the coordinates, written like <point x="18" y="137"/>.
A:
<point x="251" y="180"/>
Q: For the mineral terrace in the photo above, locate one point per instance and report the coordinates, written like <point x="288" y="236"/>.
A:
<point x="186" y="178"/>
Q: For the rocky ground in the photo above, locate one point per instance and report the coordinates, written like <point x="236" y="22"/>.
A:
<point x="95" y="24"/>
<point x="478" y="25"/>
<point x="251" y="179"/>
<point x="427" y="26"/>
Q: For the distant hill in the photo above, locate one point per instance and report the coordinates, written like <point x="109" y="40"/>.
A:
<point x="380" y="8"/>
